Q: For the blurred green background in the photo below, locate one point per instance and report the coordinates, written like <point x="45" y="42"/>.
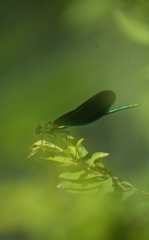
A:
<point x="54" y="56"/>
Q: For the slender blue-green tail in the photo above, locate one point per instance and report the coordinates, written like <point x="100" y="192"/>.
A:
<point x="122" y="108"/>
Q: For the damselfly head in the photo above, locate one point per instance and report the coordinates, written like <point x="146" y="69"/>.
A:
<point x="39" y="129"/>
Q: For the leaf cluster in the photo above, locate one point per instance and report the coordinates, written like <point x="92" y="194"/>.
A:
<point x="82" y="172"/>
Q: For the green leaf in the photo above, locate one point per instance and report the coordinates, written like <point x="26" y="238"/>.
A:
<point x="45" y="146"/>
<point x="82" y="152"/>
<point x="32" y="153"/>
<point x="78" y="174"/>
<point x="60" y="159"/>
<point x="126" y="195"/>
<point x="99" y="164"/>
<point x="80" y="185"/>
<point x="79" y="143"/>
<point x="96" y="156"/>
<point x="67" y="165"/>
<point x="70" y="141"/>
<point x="106" y="187"/>
<point x="126" y="184"/>
<point x="67" y="151"/>
<point x="72" y="150"/>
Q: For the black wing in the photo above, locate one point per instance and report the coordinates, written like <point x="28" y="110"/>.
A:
<point x="88" y="112"/>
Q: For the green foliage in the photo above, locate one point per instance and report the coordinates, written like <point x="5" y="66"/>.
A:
<point x="84" y="173"/>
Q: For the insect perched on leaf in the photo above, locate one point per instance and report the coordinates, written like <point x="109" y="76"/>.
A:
<point x="90" y="111"/>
